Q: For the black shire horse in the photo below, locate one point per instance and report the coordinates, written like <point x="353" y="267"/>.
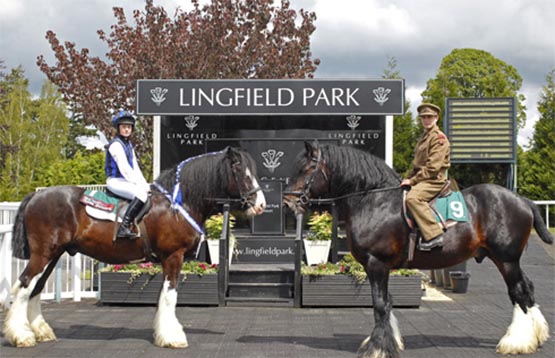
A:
<point x="53" y="221"/>
<point x="370" y="202"/>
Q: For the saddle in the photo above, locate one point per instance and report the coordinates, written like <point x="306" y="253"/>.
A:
<point x="110" y="207"/>
<point x="448" y="207"/>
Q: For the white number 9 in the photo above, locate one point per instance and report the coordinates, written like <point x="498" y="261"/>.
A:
<point x="457" y="209"/>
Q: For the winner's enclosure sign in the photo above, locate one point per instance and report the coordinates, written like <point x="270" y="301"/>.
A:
<point x="267" y="97"/>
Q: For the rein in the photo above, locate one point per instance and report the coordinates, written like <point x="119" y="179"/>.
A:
<point x="331" y="200"/>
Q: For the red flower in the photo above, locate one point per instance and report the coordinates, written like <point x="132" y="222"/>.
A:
<point x="203" y="266"/>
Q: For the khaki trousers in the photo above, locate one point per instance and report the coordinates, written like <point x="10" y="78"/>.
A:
<point x="417" y="202"/>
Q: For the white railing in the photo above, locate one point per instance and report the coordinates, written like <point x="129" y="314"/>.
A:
<point x="74" y="277"/>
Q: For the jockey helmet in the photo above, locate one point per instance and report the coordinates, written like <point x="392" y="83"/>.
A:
<point x="123" y="117"/>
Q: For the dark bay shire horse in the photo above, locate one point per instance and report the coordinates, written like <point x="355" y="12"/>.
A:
<point x="53" y="221"/>
<point x="370" y="202"/>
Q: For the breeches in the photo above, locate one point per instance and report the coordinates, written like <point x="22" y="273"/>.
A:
<point x="126" y="189"/>
<point x="417" y="202"/>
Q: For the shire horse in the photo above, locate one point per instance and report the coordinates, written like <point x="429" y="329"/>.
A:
<point x="370" y="200"/>
<point x="53" y="221"/>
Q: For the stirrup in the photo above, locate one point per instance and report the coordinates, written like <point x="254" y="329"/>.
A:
<point x="126" y="233"/>
<point x="429" y="245"/>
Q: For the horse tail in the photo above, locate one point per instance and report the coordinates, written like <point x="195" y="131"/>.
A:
<point x="539" y="224"/>
<point x="20" y="243"/>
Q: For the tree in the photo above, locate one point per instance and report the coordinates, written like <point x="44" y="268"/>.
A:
<point x="32" y="134"/>
<point x="404" y="127"/>
<point x="537" y="171"/>
<point x="471" y="73"/>
<point x="224" y="39"/>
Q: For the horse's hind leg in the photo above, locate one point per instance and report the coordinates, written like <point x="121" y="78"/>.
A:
<point x="528" y="329"/>
<point x="385" y="340"/>
<point x="17" y="328"/>
<point x="43" y="331"/>
<point x="168" y="332"/>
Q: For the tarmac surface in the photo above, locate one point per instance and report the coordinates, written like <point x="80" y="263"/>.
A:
<point x="446" y="325"/>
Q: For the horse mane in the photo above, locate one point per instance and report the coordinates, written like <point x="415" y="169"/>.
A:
<point x="206" y="176"/>
<point x="354" y="170"/>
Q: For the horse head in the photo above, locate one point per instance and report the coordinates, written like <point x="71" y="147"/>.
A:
<point x="243" y="182"/>
<point x="310" y="179"/>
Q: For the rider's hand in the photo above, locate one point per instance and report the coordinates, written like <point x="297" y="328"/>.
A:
<point x="405" y="182"/>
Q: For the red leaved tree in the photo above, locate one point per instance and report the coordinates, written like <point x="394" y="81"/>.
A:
<point x="229" y="39"/>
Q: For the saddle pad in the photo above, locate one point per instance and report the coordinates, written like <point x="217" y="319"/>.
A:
<point x="99" y="200"/>
<point x="451" y="207"/>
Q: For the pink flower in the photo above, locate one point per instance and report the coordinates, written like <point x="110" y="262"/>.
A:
<point x="203" y="266"/>
<point x="117" y="268"/>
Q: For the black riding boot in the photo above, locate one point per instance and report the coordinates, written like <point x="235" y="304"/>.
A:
<point x="133" y="209"/>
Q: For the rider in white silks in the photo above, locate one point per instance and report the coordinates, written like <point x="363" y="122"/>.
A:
<point x="123" y="175"/>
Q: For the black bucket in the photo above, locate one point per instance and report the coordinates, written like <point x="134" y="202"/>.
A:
<point x="459" y="281"/>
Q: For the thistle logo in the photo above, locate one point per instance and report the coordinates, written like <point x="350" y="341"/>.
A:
<point x="381" y="95"/>
<point x="353" y="121"/>
<point x="191" y="121"/>
<point x="271" y="159"/>
<point x="158" y="94"/>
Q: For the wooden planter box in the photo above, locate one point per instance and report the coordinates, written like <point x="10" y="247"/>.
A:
<point x="345" y="291"/>
<point x="195" y="290"/>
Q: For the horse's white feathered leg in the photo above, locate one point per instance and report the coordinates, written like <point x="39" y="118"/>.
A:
<point x="17" y="329"/>
<point x="168" y="332"/>
<point x="541" y="328"/>
<point x="522" y="336"/>
<point x="43" y="331"/>
<point x="396" y="331"/>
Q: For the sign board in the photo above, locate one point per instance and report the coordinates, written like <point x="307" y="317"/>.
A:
<point x="271" y="221"/>
<point x="260" y="249"/>
<point x="273" y="141"/>
<point x="481" y="130"/>
<point x="270" y="97"/>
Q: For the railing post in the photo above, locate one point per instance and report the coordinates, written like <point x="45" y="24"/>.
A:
<point x="76" y="277"/>
<point x="223" y="271"/>
<point x="298" y="261"/>
<point x="334" y="242"/>
<point x="58" y="282"/>
<point x="5" y="264"/>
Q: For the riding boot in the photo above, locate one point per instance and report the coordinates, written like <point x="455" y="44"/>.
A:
<point x="133" y="209"/>
<point x="428" y="245"/>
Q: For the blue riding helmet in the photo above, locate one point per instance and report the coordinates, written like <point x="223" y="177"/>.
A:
<point x="123" y="117"/>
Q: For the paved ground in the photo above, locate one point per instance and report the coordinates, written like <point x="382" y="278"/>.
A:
<point x="469" y="325"/>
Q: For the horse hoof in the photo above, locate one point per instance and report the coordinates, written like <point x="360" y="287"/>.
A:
<point x="25" y="342"/>
<point x="43" y="332"/>
<point x="174" y="344"/>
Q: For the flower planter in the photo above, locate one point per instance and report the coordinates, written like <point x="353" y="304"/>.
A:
<point x="145" y="289"/>
<point x="214" y="250"/>
<point x="317" y="251"/>
<point x="345" y="291"/>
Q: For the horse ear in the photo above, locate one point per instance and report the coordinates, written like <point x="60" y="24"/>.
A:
<point x="232" y="154"/>
<point x="311" y="149"/>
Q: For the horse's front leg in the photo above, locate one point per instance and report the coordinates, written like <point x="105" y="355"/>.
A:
<point x="385" y="340"/>
<point x="168" y="332"/>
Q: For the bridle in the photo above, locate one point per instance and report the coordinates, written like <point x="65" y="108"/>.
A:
<point x="244" y="197"/>
<point x="303" y="195"/>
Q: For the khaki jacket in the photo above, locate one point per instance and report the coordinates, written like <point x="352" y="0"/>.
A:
<point x="431" y="157"/>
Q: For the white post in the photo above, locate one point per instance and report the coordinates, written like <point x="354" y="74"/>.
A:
<point x="5" y="264"/>
<point x="76" y="276"/>
<point x="156" y="146"/>
<point x="389" y="141"/>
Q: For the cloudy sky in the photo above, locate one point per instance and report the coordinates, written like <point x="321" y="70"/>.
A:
<point x="353" y="38"/>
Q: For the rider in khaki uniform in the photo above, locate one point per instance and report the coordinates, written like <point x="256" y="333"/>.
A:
<point x="428" y="175"/>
